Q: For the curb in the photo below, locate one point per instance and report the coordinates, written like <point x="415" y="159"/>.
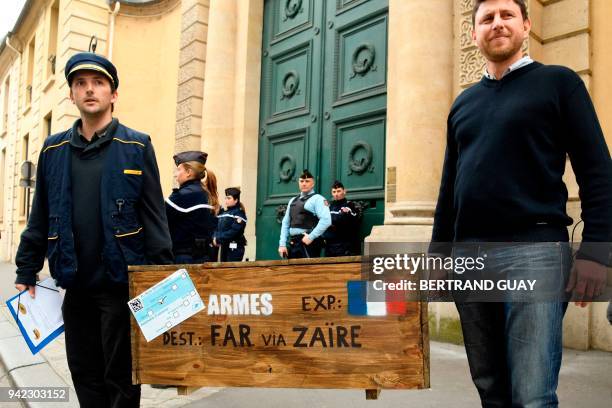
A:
<point x="27" y="370"/>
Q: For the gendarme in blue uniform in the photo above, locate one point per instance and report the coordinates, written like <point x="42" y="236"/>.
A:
<point x="309" y="214"/>
<point x="230" y="234"/>
<point x="342" y="237"/>
<point x="191" y="221"/>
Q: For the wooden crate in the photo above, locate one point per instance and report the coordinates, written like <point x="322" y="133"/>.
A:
<point x="310" y="311"/>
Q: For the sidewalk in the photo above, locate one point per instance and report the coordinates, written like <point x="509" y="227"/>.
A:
<point x="50" y="369"/>
<point x="585" y="379"/>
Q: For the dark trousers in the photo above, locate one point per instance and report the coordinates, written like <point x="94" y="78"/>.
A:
<point x="206" y="253"/>
<point x="339" y="248"/>
<point x="97" y="332"/>
<point x="232" y="254"/>
<point x="188" y="259"/>
<point x="297" y="249"/>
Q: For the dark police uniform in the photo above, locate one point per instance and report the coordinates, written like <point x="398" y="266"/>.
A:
<point x="230" y="234"/>
<point x="191" y="218"/>
<point x="341" y="238"/>
<point x="97" y="208"/>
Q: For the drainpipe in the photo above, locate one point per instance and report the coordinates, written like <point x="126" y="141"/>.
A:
<point x="111" y="35"/>
<point x="8" y="44"/>
<point x="10" y="228"/>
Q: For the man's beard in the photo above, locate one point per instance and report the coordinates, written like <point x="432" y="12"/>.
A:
<point x="499" y="55"/>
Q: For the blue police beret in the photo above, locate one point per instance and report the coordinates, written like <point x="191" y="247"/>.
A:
<point x="94" y="62"/>
<point x="190" y="156"/>
<point x="306" y="174"/>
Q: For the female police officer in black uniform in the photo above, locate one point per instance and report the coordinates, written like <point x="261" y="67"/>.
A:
<point x="230" y="229"/>
<point x="192" y="210"/>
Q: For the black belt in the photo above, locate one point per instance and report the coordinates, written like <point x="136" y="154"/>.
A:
<point x="298" y="238"/>
<point x="182" y="251"/>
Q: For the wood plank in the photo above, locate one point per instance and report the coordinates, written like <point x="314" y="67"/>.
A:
<point x="305" y="339"/>
<point x="372" y="394"/>
<point x="280" y="262"/>
<point x="186" y="390"/>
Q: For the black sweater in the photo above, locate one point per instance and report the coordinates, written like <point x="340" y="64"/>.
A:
<point x="506" y="153"/>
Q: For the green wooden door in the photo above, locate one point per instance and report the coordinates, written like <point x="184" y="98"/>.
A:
<point x="323" y="106"/>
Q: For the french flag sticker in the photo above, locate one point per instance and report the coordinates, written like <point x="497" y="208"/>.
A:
<point x="364" y="300"/>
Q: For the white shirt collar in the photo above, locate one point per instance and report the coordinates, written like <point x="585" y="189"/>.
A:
<point x="526" y="60"/>
<point x="306" y="193"/>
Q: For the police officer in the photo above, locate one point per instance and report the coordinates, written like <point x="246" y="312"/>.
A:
<point x="191" y="211"/>
<point x="341" y="236"/>
<point x="97" y="208"/>
<point x="230" y="228"/>
<point x="306" y="219"/>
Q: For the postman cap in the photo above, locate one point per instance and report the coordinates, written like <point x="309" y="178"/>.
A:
<point x="93" y="62"/>
<point x="190" y="156"/>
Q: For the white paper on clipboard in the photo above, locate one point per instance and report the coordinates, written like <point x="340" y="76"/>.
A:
<point x="39" y="319"/>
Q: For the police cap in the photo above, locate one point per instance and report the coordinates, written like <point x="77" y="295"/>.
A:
<point x="190" y="156"/>
<point x="94" y="62"/>
<point x="306" y="174"/>
<point x="233" y="192"/>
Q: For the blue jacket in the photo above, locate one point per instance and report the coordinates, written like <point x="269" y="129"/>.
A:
<point x="121" y="208"/>
<point x="232" y="223"/>
<point x="190" y="216"/>
<point x="345" y="225"/>
<point x="317" y="205"/>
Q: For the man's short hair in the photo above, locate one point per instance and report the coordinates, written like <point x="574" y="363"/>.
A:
<point x="233" y="192"/>
<point x="337" y="184"/>
<point x="521" y="3"/>
<point x="306" y="175"/>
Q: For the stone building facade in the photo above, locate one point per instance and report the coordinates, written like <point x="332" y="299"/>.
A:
<point x="368" y="83"/>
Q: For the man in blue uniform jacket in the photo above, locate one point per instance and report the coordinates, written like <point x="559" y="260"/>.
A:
<point x="306" y="219"/>
<point x="98" y="207"/>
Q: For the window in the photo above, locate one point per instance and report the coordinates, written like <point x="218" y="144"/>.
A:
<point x="47" y="127"/>
<point x="30" y="77"/>
<point x="5" y="105"/>
<point x="53" y="31"/>
<point x="24" y="198"/>
<point x="3" y="183"/>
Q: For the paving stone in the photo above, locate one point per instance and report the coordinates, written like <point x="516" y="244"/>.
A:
<point x="15" y="353"/>
<point x="42" y="375"/>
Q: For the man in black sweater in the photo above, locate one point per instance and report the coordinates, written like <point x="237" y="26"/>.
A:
<point x="508" y="137"/>
<point x="98" y="207"/>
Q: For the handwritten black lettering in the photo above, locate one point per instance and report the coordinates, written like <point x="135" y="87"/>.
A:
<point x="298" y="341"/>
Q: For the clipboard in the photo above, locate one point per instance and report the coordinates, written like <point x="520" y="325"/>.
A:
<point x="39" y="319"/>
